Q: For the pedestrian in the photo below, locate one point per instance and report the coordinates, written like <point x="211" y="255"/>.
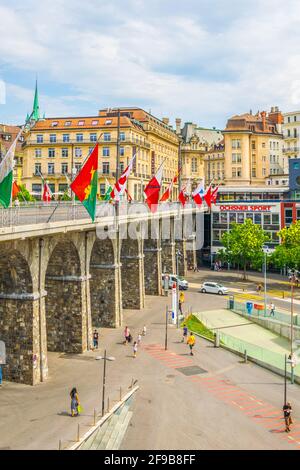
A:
<point x="259" y="287"/>
<point x="184" y="333"/>
<point x="139" y="339"/>
<point x="191" y="342"/>
<point x="144" y="330"/>
<point x="74" y="402"/>
<point x="0" y="375"/>
<point x="272" y="309"/>
<point x="95" y="339"/>
<point x="135" y="348"/>
<point x="126" y="334"/>
<point x="287" y="411"/>
<point x="181" y="300"/>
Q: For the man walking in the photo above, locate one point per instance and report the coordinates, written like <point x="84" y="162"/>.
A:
<point x="181" y="300"/>
<point x="191" y="342"/>
<point x="287" y="411"/>
<point x="272" y="309"/>
<point x="95" y="339"/>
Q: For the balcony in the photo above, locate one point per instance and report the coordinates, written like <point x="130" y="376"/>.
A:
<point x="73" y="142"/>
<point x="291" y="150"/>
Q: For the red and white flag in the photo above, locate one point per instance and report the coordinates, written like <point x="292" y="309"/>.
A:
<point x="47" y="194"/>
<point x="198" y="194"/>
<point x="207" y="196"/>
<point x="168" y="191"/>
<point x="129" y="198"/>
<point x="120" y="186"/>
<point x="152" y="189"/>
<point x="183" y="196"/>
<point x="214" y="195"/>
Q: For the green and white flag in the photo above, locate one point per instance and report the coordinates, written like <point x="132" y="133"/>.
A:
<point x="108" y="190"/>
<point x="6" y="174"/>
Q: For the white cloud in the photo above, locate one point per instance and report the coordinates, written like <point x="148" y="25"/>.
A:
<point x="190" y="61"/>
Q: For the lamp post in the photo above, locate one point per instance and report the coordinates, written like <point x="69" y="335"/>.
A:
<point x="286" y="361"/>
<point x="166" y="333"/>
<point x="293" y="279"/>
<point x="266" y="250"/>
<point x="105" y="358"/>
<point x="178" y="254"/>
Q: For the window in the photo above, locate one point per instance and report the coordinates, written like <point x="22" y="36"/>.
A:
<point x="275" y="219"/>
<point x="240" y="217"/>
<point x="62" y="187"/>
<point x="263" y="145"/>
<point x="253" y="172"/>
<point x="122" y="136"/>
<point x="194" y="164"/>
<point x="295" y="132"/>
<point x="288" y="133"/>
<point x="37" y="188"/>
<point x="64" y="168"/>
<point x="102" y="189"/>
<point x="39" y="139"/>
<point x="264" y="172"/>
<point x="296" y="165"/>
<point x="52" y="138"/>
<point x="81" y="123"/>
<point x="288" y="216"/>
<point x="108" y="121"/>
<point x="50" y="168"/>
<point x="37" y="169"/>
<point x="54" y="123"/>
<point x="253" y="145"/>
<point x="257" y="219"/>
<point x="239" y="172"/>
<point x="90" y="150"/>
<point x="122" y="167"/>
<point x="93" y="137"/>
<point x="67" y="123"/>
<point x="51" y="153"/>
<point x="295" y="118"/>
<point x="105" y="152"/>
<point x="107" y="137"/>
<point x="122" y="151"/>
<point x="105" y="168"/>
<point x="236" y="143"/>
<point x="38" y="153"/>
<point x="79" y="137"/>
<point x="66" y="137"/>
<point x="289" y="119"/>
<point x="78" y="152"/>
<point x="77" y="167"/>
<point x="267" y="219"/>
<point x="236" y="158"/>
<point x="64" y="152"/>
<point x="95" y="122"/>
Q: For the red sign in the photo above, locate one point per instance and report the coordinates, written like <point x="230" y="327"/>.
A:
<point x="246" y="208"/>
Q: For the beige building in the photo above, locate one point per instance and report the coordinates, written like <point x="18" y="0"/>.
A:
<point x="7" y="136"/>
<point x="214" y="164"/>
<point x="57" y="147"/>
<point x="291" y="134"/>
<point x="196" y="142"/>
<point x="253" y="148"/>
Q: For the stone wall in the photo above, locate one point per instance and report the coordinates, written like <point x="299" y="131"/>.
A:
<point x="133" y="294"/>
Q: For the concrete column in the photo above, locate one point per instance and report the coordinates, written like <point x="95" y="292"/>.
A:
<point x="168" y="256"/>
<point x="180" y="245"/>
<point x="153" y="269"/>
<point x="132" y="271"/>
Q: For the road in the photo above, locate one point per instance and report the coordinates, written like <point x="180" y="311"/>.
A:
<point x="229" y="405"/>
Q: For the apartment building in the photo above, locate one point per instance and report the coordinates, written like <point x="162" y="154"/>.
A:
<point x="253" y="148"/>
<point x="7" y="136"/>
<point x="214" y="164"/>
<point x="291" y="134"/>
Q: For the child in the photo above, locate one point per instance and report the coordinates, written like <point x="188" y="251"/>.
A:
<point x="135" y="347"/>
<point x="144" y="330"/>
<point x="139" y="339"/>
<point x="184" y="333"/>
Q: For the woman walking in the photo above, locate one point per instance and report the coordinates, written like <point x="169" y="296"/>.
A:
<point x="135" y="348"/>
<point x="126" y="335"/>
<point x="74" y="402"/>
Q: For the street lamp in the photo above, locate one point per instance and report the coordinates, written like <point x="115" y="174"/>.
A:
<point x="287" y="361"/>
<point x="105" y="358"/>
<point x="266" y="251"/>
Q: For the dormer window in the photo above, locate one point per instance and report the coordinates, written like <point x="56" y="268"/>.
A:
<point x="54" y="123"/>
<point x="108" y="121"/>
<point x="81" y="123"/>
<point x="67" y="123"/>
<point x="94" y="123"/>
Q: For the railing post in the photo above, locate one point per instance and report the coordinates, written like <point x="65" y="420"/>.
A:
<point x="245" y="356"/>
<point x="78" y="433"/>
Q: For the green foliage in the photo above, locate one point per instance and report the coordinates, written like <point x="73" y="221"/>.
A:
<point x="243" y="244"/>
<point x="24" y="194"/>
<point x="64" y="197"/>
<point x="195" y="325"/>
<point x="288" y="252"/>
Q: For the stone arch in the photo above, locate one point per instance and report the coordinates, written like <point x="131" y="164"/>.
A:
<point x="17" y="311"/>
<point x="132" y="273"/>
<point x="63" y="303"/>
<point x="104" y="284"/>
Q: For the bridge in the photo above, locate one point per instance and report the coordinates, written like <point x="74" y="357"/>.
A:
<point x="62" y="275"/>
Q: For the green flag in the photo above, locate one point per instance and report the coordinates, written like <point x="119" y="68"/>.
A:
<point x="108" y="190"/>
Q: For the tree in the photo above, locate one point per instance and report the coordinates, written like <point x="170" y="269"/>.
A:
<point x="288" y="252"/>
<point x="24" y="195"/>
<point x="243" y="244"/>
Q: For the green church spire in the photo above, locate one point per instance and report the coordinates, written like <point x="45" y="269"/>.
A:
<point x="36" y="108"/>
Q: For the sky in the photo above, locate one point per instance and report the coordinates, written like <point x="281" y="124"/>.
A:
<point x="200" y="60"/>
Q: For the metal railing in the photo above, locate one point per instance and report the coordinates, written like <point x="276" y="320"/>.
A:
<point x="241" y="307"/>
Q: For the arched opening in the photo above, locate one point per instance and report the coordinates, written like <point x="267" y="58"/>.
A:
<point x="17" y="328"/>
<point x="103" y="284"/>
<point x="63" y="284"/>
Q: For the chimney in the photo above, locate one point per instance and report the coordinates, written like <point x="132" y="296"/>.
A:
<point x="166" y="120"/>
<point x="178" y="125"/>
<point x="263" y="116"/>
<point x="275" y="116"/>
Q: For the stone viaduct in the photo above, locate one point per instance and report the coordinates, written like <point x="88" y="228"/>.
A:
<point x="58" y="280"/>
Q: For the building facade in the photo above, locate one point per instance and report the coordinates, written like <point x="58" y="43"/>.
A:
<point x="253" y="148"/>
<point x="291" y="134"/>
<point x="7" y="136"/>
<point x="214" y="164"/>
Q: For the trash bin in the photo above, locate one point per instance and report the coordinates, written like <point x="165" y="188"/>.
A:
<point x="249" y="307"/>
<point x="231" y="303"/>
<point x="216" y="340"/>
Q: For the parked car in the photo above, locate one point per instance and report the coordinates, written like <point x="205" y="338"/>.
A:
<point x="213" y="288"/>
<point x="182" y="283"/>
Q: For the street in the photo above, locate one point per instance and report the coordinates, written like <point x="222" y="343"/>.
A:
<point x="229" y="405"/>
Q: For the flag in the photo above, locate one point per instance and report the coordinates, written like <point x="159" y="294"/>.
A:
<point x="120" y="185"/>
<point x="47" y="194"/>
<point x="85" y="183"/>
<point x="15" y="189"/>
<point x="198" y="194"/>
<point x="168" y="191"/>
<point x="6" y="173"/>
<point x="108" y="190"/>
<point x="152" y="190"/>
<point x="183" y="197"/>
<point x="207" y="196"/>
<point x="214" y="195"/>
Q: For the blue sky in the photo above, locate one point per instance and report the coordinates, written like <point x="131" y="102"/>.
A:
<point x="199" y="60"/>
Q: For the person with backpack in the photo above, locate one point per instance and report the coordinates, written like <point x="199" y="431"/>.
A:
<point x="191" y="342"/>
<point x="184" y="333"/>
<point x="74" y="402"/>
